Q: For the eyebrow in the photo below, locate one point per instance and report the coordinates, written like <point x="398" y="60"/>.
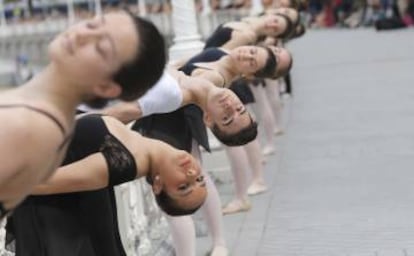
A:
<point x="191" y="191"/>
<point x="232" y="119"/>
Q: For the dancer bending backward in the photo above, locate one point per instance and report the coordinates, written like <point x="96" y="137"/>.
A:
<point x="116" y="55"/>
<point x="90" y="217"/>
<point x="228" y="36"/>
<point x="234" y="127"/>
<point x="103" y="153"/>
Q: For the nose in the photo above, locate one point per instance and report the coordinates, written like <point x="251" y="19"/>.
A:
<point x="191" y="172"/>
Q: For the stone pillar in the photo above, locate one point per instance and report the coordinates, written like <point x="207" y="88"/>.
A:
<point x="71" y="12"/>
<point x="206" y="7"/>
<point x="257" y="7"/>
<point x="187" y="39"/>
<point x="98" y="7"/>
<point x="2" y="15"/>
<point x="142" y="8"/>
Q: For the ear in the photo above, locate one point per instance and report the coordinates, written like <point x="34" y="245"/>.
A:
<point x="207" y="119"/>
<point x="157" y="185"/>
<point x="108" y="90"/>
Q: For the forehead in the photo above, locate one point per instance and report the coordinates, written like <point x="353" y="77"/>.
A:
<point x="240" y="122"/>
<point x="122" y="29"/>
<point x="196" y="198"/>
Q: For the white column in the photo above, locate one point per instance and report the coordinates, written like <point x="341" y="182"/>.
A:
<point x="257" y="7"/>
<point x="71" y="12"/>
<point x="2" y="15"/>
<point x="206" y="7"/>
<point x="142" y="8"/>
<point x="187" y="39"/>
<point x="98" y="7"/>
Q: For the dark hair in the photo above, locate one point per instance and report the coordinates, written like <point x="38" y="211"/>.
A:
<point x="240" y="138"/>
<point x="270" y="66"/>
<point x="170" y="207"/>
<point x="294" y="4"/>
<point x="289" y="26"/>
<point x="168" y="204"/>
<point x="147" y="66"/>
<point x="299" y="31"/>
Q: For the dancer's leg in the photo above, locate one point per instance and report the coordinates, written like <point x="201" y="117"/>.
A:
<point x="266" y="117"/>
<point x="238" y="163"/>
<point x="212" y="211"/>
<point x="254" y="155"/>
<point x="183" y="235"/>
<point x="273" y="94"/>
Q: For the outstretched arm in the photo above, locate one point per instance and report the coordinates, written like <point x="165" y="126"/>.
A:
<point x="165" y="96"/>
<point x="90" y="173"/>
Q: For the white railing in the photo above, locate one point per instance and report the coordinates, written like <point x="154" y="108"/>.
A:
<point x="19" y="38"/>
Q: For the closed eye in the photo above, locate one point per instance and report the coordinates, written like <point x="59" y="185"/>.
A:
<point x="100" y="48"/>
<point x="183" y="187"/>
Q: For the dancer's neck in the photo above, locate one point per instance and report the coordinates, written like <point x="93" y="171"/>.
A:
<point x="53" y="88"/>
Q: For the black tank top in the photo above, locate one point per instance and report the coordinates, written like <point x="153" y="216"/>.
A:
<point x="66" y="137"/>
<point x="219" y="37"/>
<point x="76" y="224"/>
<point x="178" y="128"/>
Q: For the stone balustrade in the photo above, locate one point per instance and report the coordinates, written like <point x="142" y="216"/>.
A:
<point x="32" y="39"/>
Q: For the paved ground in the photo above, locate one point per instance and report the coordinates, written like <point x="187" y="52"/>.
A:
<point x="342" y="182"/>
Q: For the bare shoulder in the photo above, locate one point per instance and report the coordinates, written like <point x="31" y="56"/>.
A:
<point x="22" y="127"/>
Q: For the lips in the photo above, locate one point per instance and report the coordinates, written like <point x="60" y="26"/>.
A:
<point x="186" y="161"/>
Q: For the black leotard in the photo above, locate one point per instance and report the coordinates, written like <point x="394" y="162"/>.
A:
<point x="219" y="37"/>
<point x="178" y="128"/>
<point x="66" y="138"/>
<point x="76" y="224"/>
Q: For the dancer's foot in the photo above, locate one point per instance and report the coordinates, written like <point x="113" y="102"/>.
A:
<point x="268" y="150"/>
<point x="257" y="187"/>
<point x="219" y="251"/>
<point x="236" y="206"/>
<point x="278" y="131"/>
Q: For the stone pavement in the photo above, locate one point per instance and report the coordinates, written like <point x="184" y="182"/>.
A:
<point x="342" y="181"/>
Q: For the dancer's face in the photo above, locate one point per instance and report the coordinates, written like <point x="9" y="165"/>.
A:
<point x="181" y="178"/>
<point x="283" y="57"/>
<point x="291" y="13"/>
<point x="249" y="59"/>
<point x="225" y="110"/>
<point x="274" y="25"/>
<point x="90" y="52"/>
<point x="282" y="3"/>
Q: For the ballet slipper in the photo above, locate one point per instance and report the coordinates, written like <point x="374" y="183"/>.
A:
<point x="278" y="131"/>
<point x="257" y="187"/>
<point x="268" y="150"/>
<point x="219" y="251"/>
<point x="236" y="206"/>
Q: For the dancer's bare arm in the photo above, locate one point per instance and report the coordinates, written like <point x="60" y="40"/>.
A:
<point x="90" y="173"/>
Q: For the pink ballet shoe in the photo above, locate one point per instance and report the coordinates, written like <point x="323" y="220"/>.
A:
<point x="278" y="132"/>
<point x="236" y="206"/>
<point x="256" y="188"/>
<point x="219" y="251"/>
<point x="268" y="150"/>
